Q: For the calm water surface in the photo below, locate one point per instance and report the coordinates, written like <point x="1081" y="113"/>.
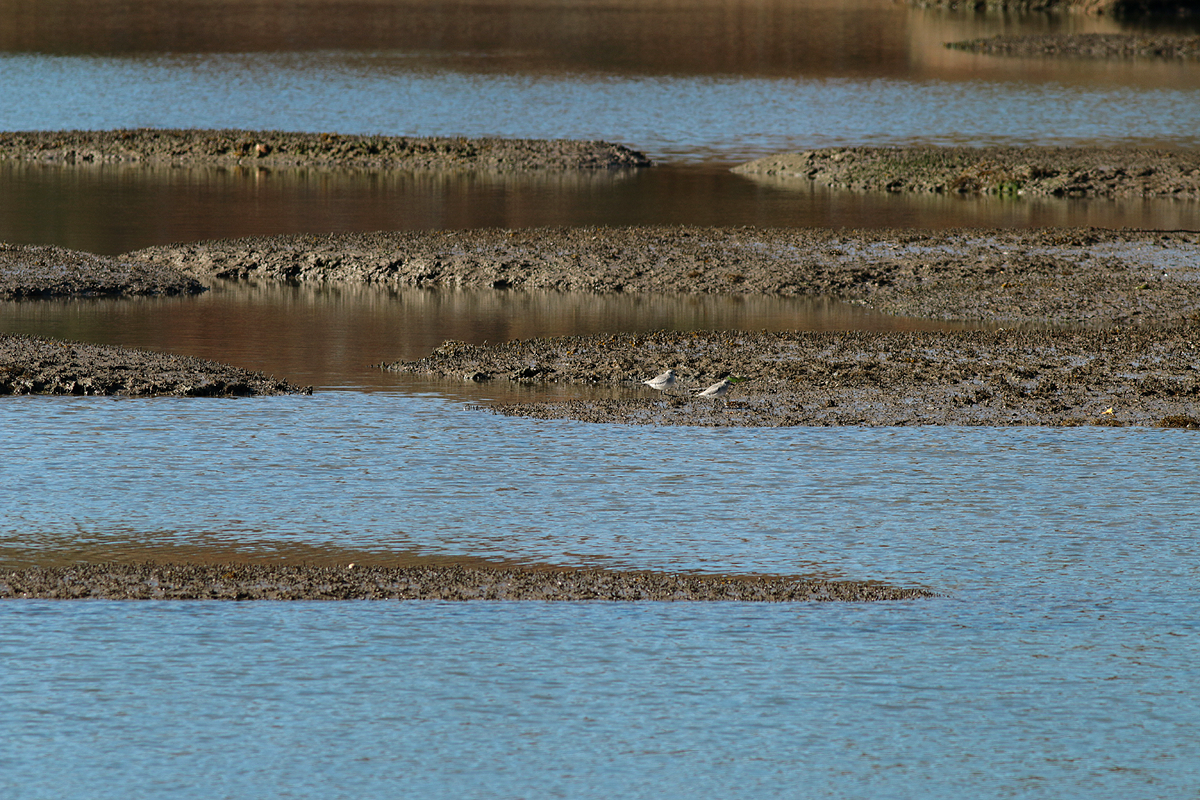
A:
<point x="1060" y="664"/>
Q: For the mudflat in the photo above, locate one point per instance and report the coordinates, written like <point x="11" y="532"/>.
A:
<point x="449" y="582"/>
<point x="37" y="365"/>
<point x="1110" y="172"/>
<point x="283" y="149"/>
<point x="40" y="271"/>
<point x="1108" y="46"/>
<point x="1051" y="276"/>
<point x="1120" y="376"/>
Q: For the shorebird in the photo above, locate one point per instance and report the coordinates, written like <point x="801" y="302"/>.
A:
<point x="718" y="389"/>
<point x="662" y="382"/>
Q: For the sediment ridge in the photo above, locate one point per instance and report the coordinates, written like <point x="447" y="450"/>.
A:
<point x="44" y="271"/>
<point x="35" y="365"/>
<point x="1060" y="276"/>
<point x="1113" y="377"/>
<point x="1112" y="172"/>
<point x="1108" y="46"/>
<point x="287" y="149"/>
<point x="448" y="583"/>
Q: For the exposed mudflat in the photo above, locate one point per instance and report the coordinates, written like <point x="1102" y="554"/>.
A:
<point x="1115" y="8"/>
<point x="263" y="582"/>
<point x="36" y="365"/>
<point x="1117" y="172"/>
<point x="280" y="149"/>
<point x="1086" y="45"/>
<point x="1129" y="376"/>
<point x="1048" y="276"/>
<point x="31" y="271"/>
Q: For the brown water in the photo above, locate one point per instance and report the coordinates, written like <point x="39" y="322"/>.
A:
<point x="117" y="209"/>
<point x="336" y="336"/>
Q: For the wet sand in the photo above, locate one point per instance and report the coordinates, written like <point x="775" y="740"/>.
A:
<point x="1110" y="172"/>
<point x="37" y="365"/>
<point x="1113" y="377"/>
<point x="281" y="149"/>
<point x="1086" y="45"/>
<point x="449" y="583"/>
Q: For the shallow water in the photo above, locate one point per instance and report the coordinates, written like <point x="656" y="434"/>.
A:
<point x="1061" y="663"/>
<point x="336" y="335"/>
<point x="698" y="86"/>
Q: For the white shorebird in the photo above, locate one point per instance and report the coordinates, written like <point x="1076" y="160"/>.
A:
<point x="718" y="389"/>
<point x="662" y="382"/>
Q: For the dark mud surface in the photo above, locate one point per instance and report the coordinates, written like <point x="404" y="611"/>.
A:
<point x="33" y="271"/>
<point x="261" y="582"/>
<point x="35" y="365"/>
<point x="1114" y="8"/>
<point x="279" y="149"/>
<point x="1086" y="45"/>
<point x="1037" y="277"/>
<point x="1116" y="172"/>
<point x="1130" y="376"/>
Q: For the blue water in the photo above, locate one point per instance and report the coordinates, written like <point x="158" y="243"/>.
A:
<point x="688" y="118"/>
<point x="1061" y="663"/>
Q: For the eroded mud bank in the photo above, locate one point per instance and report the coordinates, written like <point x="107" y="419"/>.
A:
<point x="37" y="365"/>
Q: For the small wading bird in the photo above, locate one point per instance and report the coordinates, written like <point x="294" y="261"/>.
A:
<point x="662" y="382"/>
<point x="719" y="389"/>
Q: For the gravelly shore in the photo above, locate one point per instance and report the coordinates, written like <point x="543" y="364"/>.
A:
<point x="1117" y="172"/>
<point x="1131" y="376"/>
<point x="1086" y="45"/>
<point x="284" y="149"/>
<point x="37" y="365"/>
<point x="1046" y="276"/>
<point x="457" y="583"/>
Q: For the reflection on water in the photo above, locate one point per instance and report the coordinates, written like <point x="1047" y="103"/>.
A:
<point x="335" y="335"/>
<point x="113" y="209"/>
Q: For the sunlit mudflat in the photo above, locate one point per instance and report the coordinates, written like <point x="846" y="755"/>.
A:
<point x="1060" y="664"/>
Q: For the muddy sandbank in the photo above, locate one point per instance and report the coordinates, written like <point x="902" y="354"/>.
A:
<point x="1113" y="8"/>
<point x="1044" y="276"/>
<point x="264" y="582"/>
<point x="1109" y="172"/>
<point x="1086" y="45"/>
<point x="284" y="149"/>
<point x="1126" y="376"/>
<point x="38" y="271"/>
<point x="37" y="365"/>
